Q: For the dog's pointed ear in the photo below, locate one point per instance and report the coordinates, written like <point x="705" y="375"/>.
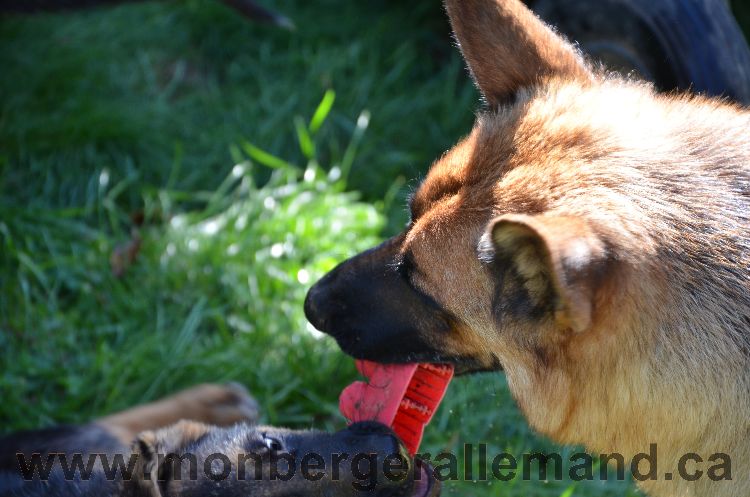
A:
<point x="507" y="47"/>
<point x="156" y="450"/>
<point x="560" y="261"/>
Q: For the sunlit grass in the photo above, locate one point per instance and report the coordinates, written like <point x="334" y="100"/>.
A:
<point x="212" y="290"/>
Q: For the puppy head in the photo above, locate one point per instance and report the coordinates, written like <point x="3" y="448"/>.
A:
<point x="193" y="459"/>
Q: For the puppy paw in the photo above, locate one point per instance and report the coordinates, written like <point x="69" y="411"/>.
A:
<point x="221" y="405"/>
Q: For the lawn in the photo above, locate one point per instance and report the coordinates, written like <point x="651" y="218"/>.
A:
<point x="244" y="161"/>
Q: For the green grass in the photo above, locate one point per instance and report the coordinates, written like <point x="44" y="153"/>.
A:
<point x="124" y="87"/>
<point x="205" y="127"/>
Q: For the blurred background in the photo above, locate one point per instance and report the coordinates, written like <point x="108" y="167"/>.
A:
<point x="175" y="175"/>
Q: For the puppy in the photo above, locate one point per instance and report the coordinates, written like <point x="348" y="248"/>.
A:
<point x="191" y="458"/>
<point x="591" y="238"/>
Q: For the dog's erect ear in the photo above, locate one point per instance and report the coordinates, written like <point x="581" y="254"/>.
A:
<point x="507" y="47"/>
<point x="156" y="451"/>
<point x="557" y="258"/>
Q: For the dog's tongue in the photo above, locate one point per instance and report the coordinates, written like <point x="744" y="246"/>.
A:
<point x="402" y="396"/>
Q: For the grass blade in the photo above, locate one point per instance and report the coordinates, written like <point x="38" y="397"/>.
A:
<point x="304" y="139"/>
<point x="568" y="491"/>
<point x="324" y="108"/>
<point x="263" y="157"/>
<point x="363" y="121"/>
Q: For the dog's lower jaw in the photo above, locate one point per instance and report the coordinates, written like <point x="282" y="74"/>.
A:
<point x="463" y="364"/>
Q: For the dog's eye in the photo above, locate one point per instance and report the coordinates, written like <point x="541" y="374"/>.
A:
<point x="272" y="444"/>
<point x="406" y="265"/>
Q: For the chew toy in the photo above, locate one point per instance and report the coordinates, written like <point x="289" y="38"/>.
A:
<point x="402" y="396"/>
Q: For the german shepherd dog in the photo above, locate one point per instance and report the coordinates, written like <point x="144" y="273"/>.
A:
<point x="156" y="436"/>
<point x="591" y="238"/>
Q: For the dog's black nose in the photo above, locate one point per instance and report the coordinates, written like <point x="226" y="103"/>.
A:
<point x="313" y="306"/>
<point x="378" y="436"/>
<point x="370" y="428"/>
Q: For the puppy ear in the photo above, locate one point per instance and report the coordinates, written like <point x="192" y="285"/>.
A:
<point x="156" y="451"/>
<point x="507" y="47"/>
<point x="556" y="258"/>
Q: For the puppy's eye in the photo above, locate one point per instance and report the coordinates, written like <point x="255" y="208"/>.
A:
<point x="272" y="444"/>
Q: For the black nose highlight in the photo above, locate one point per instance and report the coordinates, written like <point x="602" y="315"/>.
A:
<point x="372" y="436"/>
<point x="313" y="301"/>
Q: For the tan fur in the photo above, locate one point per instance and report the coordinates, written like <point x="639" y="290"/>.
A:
<point x="633" y="209"/>
<point x="149" y="445"/>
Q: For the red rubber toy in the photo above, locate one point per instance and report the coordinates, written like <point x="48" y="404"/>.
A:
<point x="402" y="396"/>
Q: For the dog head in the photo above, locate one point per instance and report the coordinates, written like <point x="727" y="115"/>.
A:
<point x="193" y="459"/>
<point x="584" y="237"/>
<point x="483" y="257"/>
